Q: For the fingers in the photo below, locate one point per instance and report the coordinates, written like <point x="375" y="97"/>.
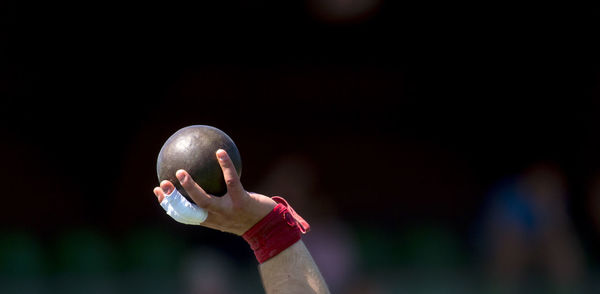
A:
<point x="159" y="194"/>
<point x="197" y="194"/>
<point x="232" y="180"/>
<point x="166" y="188"/>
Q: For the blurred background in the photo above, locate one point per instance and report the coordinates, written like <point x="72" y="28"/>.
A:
<point x="434" y="148"/>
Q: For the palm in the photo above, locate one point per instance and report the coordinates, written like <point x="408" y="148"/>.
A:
<point x="234" y="212"/>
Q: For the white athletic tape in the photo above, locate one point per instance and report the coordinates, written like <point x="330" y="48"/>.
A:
<point x="183" y="211"/>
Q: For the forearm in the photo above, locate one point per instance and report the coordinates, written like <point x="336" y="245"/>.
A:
<point x="292" y="271"/>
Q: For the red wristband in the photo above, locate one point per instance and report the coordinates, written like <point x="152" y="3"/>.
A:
<point x="278" y="230"/>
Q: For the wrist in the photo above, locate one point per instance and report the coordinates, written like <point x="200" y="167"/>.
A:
<point x="254" y="210"/>
<point x="278" y="230"/>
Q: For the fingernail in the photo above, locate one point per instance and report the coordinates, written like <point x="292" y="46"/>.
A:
<point x="180" y="175"/>
<point x="167" y="190"/>
<point x="221" y="154"/>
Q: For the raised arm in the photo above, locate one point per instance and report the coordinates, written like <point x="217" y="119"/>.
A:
<point x="292" y="271"/>
<point x="289" y="271"/>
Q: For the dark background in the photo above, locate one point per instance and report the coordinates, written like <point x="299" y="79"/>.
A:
<point x="411" y="113"/>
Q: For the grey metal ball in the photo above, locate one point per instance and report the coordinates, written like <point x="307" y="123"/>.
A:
<point x="193" y="149"/>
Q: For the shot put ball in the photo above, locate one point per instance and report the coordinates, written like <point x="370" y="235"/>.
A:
<point x="193" y="149"/>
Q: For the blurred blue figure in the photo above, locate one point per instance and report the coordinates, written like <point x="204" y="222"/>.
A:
<point x="531" y="244"/>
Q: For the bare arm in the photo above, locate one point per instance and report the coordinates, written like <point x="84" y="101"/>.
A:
<point x="291" y="271"/>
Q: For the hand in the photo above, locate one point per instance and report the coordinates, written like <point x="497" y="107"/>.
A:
<point x="235" y="212"/>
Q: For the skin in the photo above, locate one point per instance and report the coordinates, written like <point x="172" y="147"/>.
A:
<point x="291" y="271"/>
